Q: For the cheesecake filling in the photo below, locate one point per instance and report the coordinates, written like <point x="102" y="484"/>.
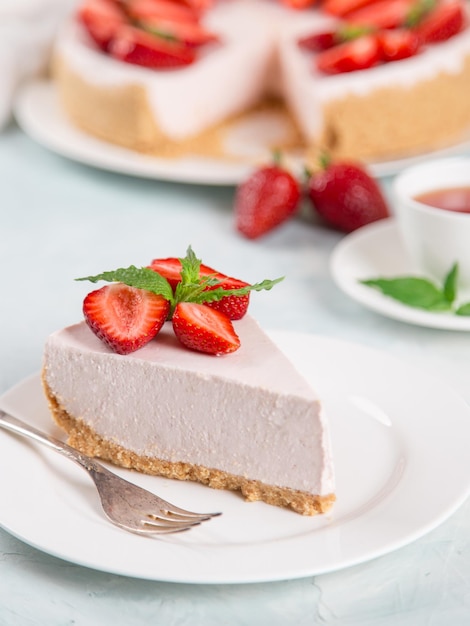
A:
<point x="249" y="414"/>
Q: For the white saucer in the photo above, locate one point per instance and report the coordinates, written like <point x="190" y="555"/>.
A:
<point x="377" y="251"/>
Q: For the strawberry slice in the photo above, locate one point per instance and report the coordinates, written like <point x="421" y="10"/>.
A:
<point x="125" y="318"/>
<point x="398" y="44"/>
<point x="140" y="48"/>
<point x="445" y="21"/>
<point x="265" y="200"/>
<point x="359" y="54"/>
<point x="161" y="9"/>
<point x="317" y="42"/>
<point x="203" y="329"/>
<point x="189" y="33"/>
<point x="383" y="14"/>
<point x="169" y="268"/>
<point x="298" y="4"/>
<point x="102" y="19"/>
<point x="340" y="8"/>
<point x="234" y="307"/>
<point x="198" y="5"/>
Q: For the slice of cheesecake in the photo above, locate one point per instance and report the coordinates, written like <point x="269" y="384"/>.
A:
<point x="246" y="421"/>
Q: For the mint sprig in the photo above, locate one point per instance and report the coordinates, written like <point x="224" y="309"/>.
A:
<point x="140" y="277"/>
<point x="191" y="288"/>
<point x="422" y="293"/>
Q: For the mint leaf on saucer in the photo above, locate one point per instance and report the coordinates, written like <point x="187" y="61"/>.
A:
<point x="422" y="293"/>
<point x="463" y="309"/>
<point x="450" y="283"/>
<point x="413" y="291"/>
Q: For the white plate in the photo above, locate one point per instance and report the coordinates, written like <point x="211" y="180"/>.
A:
<point x="391" y="489"/>
<point x="38" y="113"/>
<point x="377" y="251"/>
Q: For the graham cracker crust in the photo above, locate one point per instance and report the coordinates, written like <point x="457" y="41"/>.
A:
<point x="84" y="439"/>
<point x="388" y="123"/>
<point x="123" y="116"/>
<point x="398" y="121"/>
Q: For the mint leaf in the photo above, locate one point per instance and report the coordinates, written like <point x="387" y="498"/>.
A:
<point x="450" y="283"/>
<point x="191" y="288"/>
<point x="142" y="278"/>
<point x="190" y="267"/>
<point x="219" y="293"/>
<point x="416" y="292"/>
<point x="463" y="309"/>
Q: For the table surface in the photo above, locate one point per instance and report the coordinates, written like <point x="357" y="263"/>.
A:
<point x="59" y="220"/>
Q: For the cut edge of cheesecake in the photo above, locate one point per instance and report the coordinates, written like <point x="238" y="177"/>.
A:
<point x="83" y="438"/>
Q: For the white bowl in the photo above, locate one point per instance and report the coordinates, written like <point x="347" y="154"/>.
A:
<point x="435" y="238"/>
<point x="27" y="29"/>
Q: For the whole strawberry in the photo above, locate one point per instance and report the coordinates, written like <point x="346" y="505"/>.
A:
<point x="346" y="196"/>
<point x="265" y="200"/>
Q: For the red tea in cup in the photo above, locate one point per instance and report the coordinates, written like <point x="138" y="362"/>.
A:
<point x="450" y="199"/>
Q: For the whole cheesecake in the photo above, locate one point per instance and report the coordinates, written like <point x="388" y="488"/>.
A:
<point x="386" y="111"/>
<point x="247" y="421"/>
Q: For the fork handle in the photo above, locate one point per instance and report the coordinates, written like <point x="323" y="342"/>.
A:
<point x="21" y="428"/>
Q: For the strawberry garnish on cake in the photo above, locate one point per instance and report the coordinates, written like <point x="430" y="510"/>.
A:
<point x="375" y="32"/>
<point x="125" y="318"/>
<point x="447" y="20"/>
<point x="341" y="8"/>
<point x="158" y="34"/>
<point x="359" y="54"/>
<point x="131" y="311"/>
<point x="233" y="307"/>
<point x="203" y="329"/>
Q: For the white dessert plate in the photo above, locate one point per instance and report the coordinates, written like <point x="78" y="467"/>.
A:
<point x="39" y="114"/>
<point x="400" y="441"/>
<point x="377" y="251"/>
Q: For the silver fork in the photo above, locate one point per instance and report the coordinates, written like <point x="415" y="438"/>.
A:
<point x="128" y="506"/>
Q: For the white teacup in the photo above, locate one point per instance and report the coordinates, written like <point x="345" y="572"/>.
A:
<point x="435" y="238"/>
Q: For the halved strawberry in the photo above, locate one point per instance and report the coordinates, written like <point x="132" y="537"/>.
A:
<point x="189" y="33"/>
<point x="169" y="268"/>
<point x="317" y="42"/>
<point x="397" y="44"/>
<point x="140" y="48"/>
<point x="340" y="8"/>
<point x="203" y="329"/>
<point x="199" y="5"/>
<point x="445" y="21"/>
<point x="359" y="54"/>
<point x="125" y="318"/>
<point x="298" y="4"/>
<point x="383" y="14"/>
<point x="234" y="307"/>
<point x="102" y="19"/>
<point x="161" y="9"/>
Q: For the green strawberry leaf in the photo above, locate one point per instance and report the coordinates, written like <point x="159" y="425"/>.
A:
<point x="416" y="292"/>
<point x="142" y="278"/>
<point x="463" y="309"/>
